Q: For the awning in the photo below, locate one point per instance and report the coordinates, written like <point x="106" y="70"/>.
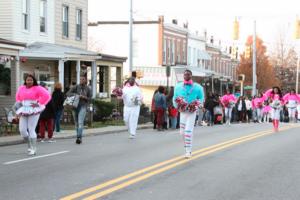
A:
<point x="204" y="55"/>
<point x="40" y="50"/>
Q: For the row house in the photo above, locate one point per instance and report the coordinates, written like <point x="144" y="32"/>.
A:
<point x="223" y="67"/>
<point x="157" y="45"/>
<point x="55" y="33"/>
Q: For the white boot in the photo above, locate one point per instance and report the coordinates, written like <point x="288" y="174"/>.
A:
<point x="32" y="142"/>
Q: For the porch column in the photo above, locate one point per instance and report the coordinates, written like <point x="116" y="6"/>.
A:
<point x="17" y="73"/>
<point x="94" y="79"/>
<point x="78" y="71"/>
<point x="61" y="72"/>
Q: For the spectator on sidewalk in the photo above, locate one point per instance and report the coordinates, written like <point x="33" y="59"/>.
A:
<point x="154" y="111"/>
<point x="58" y="98"/>
<point x="79" y="113"/>
<point x="160" y="107"/>
<point x="46" y="120"/>
<point x="241" y="108"/>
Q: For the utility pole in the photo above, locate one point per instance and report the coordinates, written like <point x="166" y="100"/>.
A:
<point x="297" y="75"/>
<point x="130" y="38"/>
<point x="254" y="61"/>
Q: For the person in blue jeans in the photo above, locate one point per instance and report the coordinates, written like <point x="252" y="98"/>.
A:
<point x="58" y="98"/>
<point x="79" y="113"/>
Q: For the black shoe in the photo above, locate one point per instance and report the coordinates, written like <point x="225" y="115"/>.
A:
<point x="78" y="141"/>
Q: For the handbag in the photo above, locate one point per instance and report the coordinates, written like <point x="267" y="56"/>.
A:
<point x="72" y="101"/>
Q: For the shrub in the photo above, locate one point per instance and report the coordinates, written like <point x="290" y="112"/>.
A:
<point x="102" y="109"/>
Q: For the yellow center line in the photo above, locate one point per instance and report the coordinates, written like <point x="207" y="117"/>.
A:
<point x="168" y="167"/>
<point x="122" y="178"/>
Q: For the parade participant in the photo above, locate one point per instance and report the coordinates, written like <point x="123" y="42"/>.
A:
<point x="31" y="100"/>
<point x="257" y="105"/>
<point x="228" y="101"/>
<point x="188" y="97"/>
<point x="291" y="100"/>
<point x="79" y="113"/>
<point x="132" y="98"/>
<point x="275" y="97"/>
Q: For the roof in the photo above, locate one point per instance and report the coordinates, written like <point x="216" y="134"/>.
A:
<point x="10" y="42"/>
<point x="56" y="51"/>
<point x="112" y="58"/>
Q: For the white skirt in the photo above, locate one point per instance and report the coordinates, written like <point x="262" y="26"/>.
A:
<point x="26" y="109"/>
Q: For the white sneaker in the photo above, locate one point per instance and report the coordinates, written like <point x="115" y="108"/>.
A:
<point x="131" y="136"/>
<point x="51" y="140"/>
<point x="31" y="152"/>
<point x="188" y="155"/>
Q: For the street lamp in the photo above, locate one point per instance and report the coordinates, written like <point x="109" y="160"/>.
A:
<point x="130" y="38"/>
<point x="297" y="37"/>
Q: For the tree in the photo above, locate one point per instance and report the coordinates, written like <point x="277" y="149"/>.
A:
<point x="264" y="70"/>
<point x="284" y="60"/>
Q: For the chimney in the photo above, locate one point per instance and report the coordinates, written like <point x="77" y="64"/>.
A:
<point x="186" y="25"/>
<point x="205" y="34"/>
<point x="174" y="21"/>
<point x="212" y="39"/>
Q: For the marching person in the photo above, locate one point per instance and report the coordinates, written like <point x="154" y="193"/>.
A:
<point x="132" y="98"/>
<point x="187" y="99"/>
<point x="79" y="113"/>
<point x="291" y="100"/>
<point x="228" y="101"/>
<point x="30" y="102"/>
<point x="276" y="99"/>
<point x="257" y="105"/>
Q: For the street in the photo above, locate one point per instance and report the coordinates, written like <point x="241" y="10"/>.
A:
<point x="240" y="161"/>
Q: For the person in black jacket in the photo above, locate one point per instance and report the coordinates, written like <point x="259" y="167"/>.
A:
<point x="58" y="98"/>
<point x="241" y="108"/>
<point x="46" y="120"/>
<point x="209" y="104"/>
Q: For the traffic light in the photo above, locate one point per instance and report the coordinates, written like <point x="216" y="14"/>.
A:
<point x="234" y="52"/>
<point x="297" y="29"/>
<point x="241" y="77"/>
<point x="236" y="31"/>
<point x="248" y="52"/>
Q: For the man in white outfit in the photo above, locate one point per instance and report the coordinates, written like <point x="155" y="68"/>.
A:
<point x="132" y="98"/>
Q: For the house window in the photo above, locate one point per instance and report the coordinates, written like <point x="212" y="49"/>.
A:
<point x="78" y="24"/>
<point x="165" y="51"/>
<point x="178" y="51"/>
<point x="65" y="21"/>
<point x="25" y="14"/>
<point x="43" y="16"/>
<point x="5" y="77"/>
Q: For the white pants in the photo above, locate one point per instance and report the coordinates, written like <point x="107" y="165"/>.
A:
<point x="228" y="113"/>
<point x="259" y="114"/>
<point x="187" y="121"/>
<point x="131" y="116"/>
<point x="27" y="125"/>
<point x="275" y="114"/>
<point x="292" y="112"/>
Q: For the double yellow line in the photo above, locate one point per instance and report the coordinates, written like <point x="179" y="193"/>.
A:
<point x="137" y="176"/>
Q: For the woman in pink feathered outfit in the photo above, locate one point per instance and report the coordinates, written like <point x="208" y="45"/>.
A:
<point x="275" y="96"/>
<point x="228" y="101"/>
<point x="291" y="100"/>
<point x="30" y="102"/>
<point x="258" y="105"/>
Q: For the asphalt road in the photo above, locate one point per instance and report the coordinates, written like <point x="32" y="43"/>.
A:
<point x="259" y="165"/>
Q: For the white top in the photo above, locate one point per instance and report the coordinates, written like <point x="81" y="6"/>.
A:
<point x="248" y="104"/>
<point x="132" y="96"/>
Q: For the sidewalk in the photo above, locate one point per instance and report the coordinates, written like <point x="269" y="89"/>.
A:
<point x="17" y="139"/>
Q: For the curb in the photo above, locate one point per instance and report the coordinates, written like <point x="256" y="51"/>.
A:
<point x="21" y="141"/>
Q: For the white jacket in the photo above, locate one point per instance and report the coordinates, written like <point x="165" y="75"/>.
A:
<point x="132" y="96"/>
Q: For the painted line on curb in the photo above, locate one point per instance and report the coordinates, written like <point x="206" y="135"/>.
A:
<point x="35" y="157"/>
